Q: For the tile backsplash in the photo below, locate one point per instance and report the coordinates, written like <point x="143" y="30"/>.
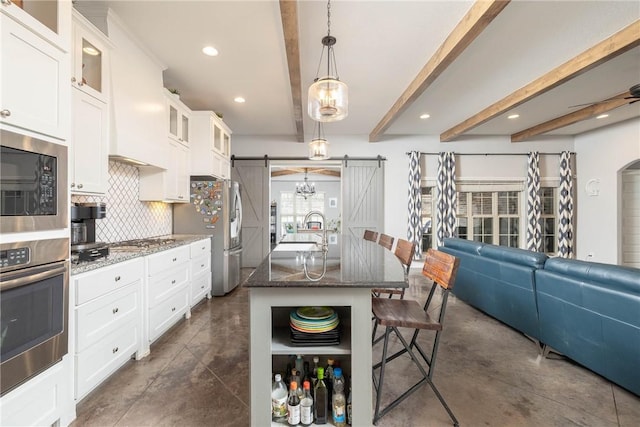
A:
<point x="127" y="217"/>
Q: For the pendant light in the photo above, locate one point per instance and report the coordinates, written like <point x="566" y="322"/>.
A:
<point x="328" y="96"/>
<point x="319" y="146"/>
<point x="305" y="189"/>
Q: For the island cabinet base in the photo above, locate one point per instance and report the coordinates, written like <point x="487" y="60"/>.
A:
<point x="268" y="347"/>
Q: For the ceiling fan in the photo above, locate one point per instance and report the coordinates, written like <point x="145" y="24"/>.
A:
<point x="634" y="94"/>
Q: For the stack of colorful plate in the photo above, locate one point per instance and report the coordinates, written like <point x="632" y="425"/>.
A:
<point x="314" y="326"/>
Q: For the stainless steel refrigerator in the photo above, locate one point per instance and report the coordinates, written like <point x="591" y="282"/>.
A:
<point x="215" y="208"/>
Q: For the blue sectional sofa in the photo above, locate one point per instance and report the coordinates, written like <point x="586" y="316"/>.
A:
<point x="499" y="281"/>
<point x="587" y="311"/>
<point x="590" y="312"/>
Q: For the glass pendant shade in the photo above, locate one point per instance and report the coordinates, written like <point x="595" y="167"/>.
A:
<point x="318" y="149"/>
<point x="328" y="100"/>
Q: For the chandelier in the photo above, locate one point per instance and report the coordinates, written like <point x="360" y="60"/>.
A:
<point x="305" y="189"/>
<point x="328" y="96"/>
<point x="319" y="146"/>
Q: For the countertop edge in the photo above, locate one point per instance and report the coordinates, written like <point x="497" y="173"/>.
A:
<point x="118" y="257"/>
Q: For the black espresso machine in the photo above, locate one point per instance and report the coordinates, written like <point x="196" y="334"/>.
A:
<point x="83" y="232"/>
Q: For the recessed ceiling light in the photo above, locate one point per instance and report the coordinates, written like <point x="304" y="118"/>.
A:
<point x="602" y="116"/>
<point x="239" y="99"/>
<point x="424" y="116"/>
<point x="210" y="51"/>
<point x="513" y="116"/>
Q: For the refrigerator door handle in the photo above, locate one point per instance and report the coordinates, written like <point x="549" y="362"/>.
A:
<point x="235" y="251"/>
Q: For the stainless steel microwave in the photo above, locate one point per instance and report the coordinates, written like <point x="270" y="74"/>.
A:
<point x="33" y="184"/>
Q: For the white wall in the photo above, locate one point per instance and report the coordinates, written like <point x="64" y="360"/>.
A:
<point x="396" y="166"/>
<point x="601" y="155"/>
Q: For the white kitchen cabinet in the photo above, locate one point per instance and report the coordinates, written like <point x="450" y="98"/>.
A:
<point x="89" y="145"/>
<point x="200" y="273"/>
<point x="108" y="322"/>
<point x="210" y="145"/>
<point x="34" y="73"/>
<point x="178" y="119"/>
<point x="90" y="55"/>
<point x="44" y="400"/>
<point x="170" y="185"/>
<point x="167" y="290"/>
<point x="50" y="20"/>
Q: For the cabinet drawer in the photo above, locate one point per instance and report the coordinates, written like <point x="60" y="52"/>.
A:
<point x="99" y="282"/>
<point x="168" y="312"/>
<point x="97" y="362"/>
<point x="200" y="285"/>
<point x="200" y="265"/>
<point x="160" y="287"/>
<point x="101" y="316"/>
<point x="200" y="247"/>
<point x="157" y="263"/>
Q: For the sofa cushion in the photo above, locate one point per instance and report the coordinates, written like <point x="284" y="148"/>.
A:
<point x="463" y="245"/>
<point x="514" y="255"/>
<point x="619" y="278"/>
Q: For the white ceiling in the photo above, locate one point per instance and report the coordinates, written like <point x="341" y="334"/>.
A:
<point x="381" y="47"/>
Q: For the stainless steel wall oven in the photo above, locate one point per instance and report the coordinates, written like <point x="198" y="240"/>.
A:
<point x="34" y="300"/>
<point x="33" y="184"/>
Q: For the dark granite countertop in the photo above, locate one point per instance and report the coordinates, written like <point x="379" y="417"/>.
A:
<point x="350" y="262"/>
<point x="116" y="257"/>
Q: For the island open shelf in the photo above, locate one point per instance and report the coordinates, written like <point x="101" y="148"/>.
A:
<point x="269" y="344"/>
<point x="353" y="267"/>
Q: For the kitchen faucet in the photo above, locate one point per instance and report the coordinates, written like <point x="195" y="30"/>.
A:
<point x="325" y="245"/>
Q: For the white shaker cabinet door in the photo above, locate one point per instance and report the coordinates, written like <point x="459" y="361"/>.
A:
<point x="34" y="88"/>
<point x="90" y="145"/>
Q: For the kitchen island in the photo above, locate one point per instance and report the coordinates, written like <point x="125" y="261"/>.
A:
<point x="293" y="276"/>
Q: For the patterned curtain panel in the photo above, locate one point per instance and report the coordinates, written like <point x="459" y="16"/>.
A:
<point x="534" y="206"/>
<point x="414" y="207"/>
<point x="565" y="208"/>
<point x="447" y="201"/>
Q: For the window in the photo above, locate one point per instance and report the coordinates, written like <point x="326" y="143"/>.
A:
<point x="490" y="217"/>
<point x="294" y="208"/>
<point x="493" y="212"/>
<point x="426" y="217"/>
<point x="548" y="220"/>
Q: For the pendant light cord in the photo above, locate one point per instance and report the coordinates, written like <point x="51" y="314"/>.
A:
<point x="330" y="53"/>
<point x="329" y="17"/>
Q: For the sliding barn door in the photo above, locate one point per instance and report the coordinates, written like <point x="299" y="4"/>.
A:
<point x="362" y="209"/>
<point x="253" y="177"/>
<point x="363" y="197"/>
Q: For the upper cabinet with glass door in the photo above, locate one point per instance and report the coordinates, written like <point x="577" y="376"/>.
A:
<point x="178" y="119"/>
<point x="221" y="138"/>
<point x="90" y="59"/>
<point x="50" y="19"/>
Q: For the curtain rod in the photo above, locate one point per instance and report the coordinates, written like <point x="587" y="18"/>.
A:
<point x="492" y="154"/>
<point x="345" y="158"/>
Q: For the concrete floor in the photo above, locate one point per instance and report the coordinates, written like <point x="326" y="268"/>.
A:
<point x="197" y="375"/>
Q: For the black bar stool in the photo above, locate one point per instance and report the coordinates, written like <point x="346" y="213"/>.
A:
<point x="396" y="313"/>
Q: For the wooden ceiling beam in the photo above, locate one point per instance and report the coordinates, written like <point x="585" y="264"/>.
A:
<point x="478" y="17"/>
<point x="317" y="171"/>
<point x="289" y="16"/>
<point x="571" y="118"/>
<point x="622" y="41"/>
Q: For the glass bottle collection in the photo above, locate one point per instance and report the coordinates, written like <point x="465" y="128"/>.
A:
<point x="311" y="395"/>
